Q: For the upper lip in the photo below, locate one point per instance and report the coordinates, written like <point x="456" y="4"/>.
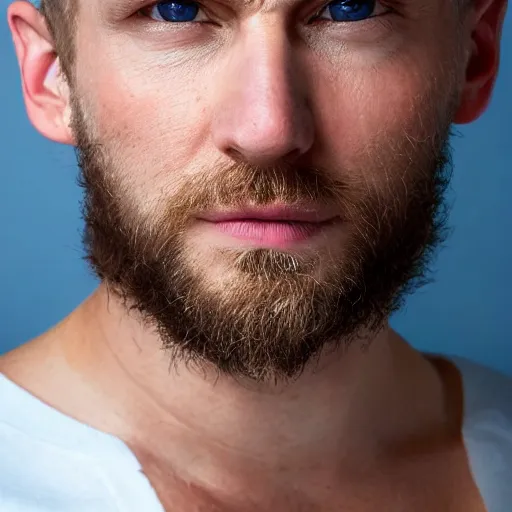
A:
<point x="270" y="213"/>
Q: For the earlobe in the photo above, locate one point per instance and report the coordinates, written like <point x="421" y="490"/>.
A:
<point x="45" y="90"/>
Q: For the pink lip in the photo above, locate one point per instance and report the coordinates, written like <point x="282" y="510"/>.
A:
<point x="272" y="227"/>
<point x="271" y="214"/>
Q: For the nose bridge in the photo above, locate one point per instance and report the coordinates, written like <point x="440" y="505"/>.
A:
<point x="262" y="112"/>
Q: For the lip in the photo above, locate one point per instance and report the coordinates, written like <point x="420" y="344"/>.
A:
<point x="274" y="213"/>
<point x="275" y="226"/>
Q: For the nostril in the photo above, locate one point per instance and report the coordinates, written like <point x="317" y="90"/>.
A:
<point x="262" y="158"/>
<point x="293" y="155"/>
<point x="234" y="154"/>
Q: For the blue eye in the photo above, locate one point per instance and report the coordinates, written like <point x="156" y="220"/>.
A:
<point x="175" y="12"/>
<point x="348" y="10"/>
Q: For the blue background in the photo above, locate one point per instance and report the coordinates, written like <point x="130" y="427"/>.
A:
<point x="466" y="311"/>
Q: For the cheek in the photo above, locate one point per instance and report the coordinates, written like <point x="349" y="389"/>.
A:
<point x="380" y="111"/>
<point x="150" y="119"/>
<point x="153" y="115"/>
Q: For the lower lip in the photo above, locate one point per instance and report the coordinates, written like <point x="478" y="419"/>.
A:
<point x="270" y="233"/>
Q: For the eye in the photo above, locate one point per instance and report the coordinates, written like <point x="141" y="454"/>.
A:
<point x="176" y="12"/>
<point x="348" y="10"/>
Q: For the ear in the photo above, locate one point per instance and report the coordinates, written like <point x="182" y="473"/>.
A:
<point x="485" y="20"/>
<point x="45" y="89"/>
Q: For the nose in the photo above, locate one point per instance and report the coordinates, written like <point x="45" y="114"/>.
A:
<point x="262" y="113"/>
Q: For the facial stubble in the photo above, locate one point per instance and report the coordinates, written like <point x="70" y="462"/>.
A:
<point x="272" y="312"/>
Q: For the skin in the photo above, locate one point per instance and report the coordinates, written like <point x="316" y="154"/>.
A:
<point x="338" y="436"/>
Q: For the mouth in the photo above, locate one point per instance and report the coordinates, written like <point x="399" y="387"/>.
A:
<point x="278" y="227"/>
<point x="275" y="213"/>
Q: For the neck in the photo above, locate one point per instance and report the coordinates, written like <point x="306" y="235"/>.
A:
<point x="346" y="410"/>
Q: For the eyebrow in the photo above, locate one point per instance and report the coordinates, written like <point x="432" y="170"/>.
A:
<point x="120" y="8"/>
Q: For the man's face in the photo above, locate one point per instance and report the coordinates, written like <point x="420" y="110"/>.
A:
<point x="213" y="145"/>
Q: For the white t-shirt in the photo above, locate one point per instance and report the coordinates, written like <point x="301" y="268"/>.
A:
<point x="50" y="462"/>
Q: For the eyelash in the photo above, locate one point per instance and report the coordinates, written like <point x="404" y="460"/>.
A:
<point x="316" y="19"/>
<point x="145" y="12"/>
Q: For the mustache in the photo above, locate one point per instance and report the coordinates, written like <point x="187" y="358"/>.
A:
<point x="241" y="184"/>
<point x="238" y="184"/>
